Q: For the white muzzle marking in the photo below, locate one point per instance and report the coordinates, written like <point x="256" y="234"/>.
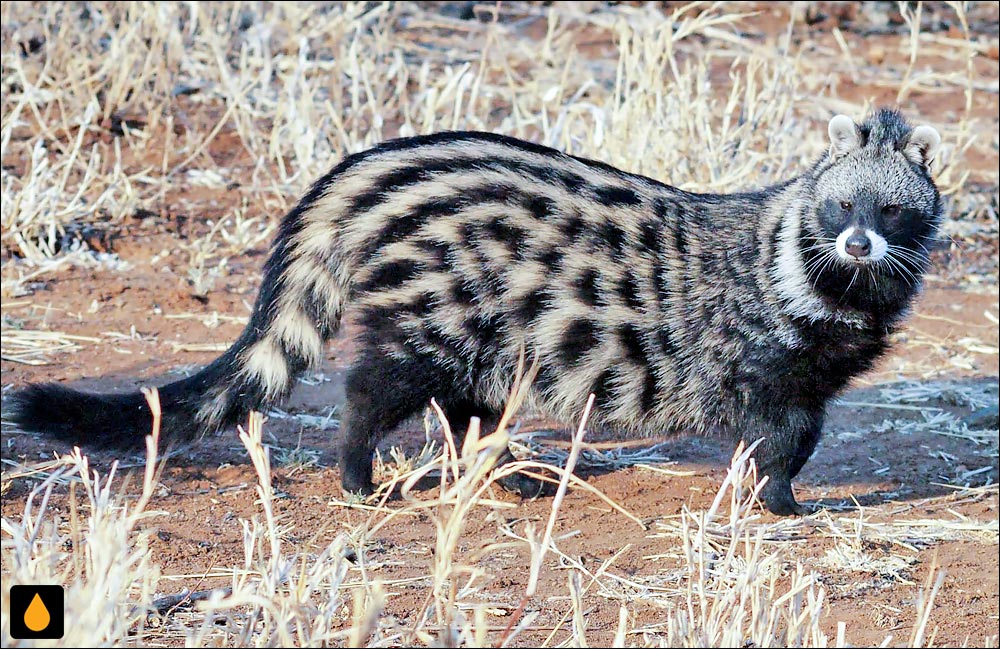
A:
<point x="879" y="246"/>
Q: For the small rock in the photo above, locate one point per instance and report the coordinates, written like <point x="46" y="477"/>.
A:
<point x="987" y="418"/>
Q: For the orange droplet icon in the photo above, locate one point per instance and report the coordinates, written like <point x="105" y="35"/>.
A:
<point x="37" y="616"/>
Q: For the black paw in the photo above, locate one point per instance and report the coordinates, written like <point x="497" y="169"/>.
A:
<point x="527" y="486"/>
<point x="522" y="484"/>
<point x="360" y="486"/>
<point x="778" y="499"/>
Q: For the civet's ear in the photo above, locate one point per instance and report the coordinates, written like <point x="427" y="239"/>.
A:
<point x="844" y="136"/>
<point x="922" y="145"/>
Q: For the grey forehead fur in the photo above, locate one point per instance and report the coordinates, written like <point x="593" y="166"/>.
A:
<point x="885" y="128"/>
<point x="878" y="167"/>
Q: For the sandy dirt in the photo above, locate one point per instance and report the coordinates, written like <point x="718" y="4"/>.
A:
<point x="878" y="460"/>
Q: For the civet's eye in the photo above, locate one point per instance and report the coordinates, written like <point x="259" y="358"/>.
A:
<point x="891" y="211"/>
<point x="846" y="206"/>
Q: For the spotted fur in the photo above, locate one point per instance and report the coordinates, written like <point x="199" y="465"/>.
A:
<point x="733" y="314"/>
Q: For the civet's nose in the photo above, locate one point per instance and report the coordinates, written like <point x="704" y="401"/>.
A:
<point x="858" y="245"/>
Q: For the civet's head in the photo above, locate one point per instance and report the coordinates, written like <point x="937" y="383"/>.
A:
<point x="876" y="205"/>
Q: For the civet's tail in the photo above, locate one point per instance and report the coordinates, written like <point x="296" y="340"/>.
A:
<point x="299" y="306"/>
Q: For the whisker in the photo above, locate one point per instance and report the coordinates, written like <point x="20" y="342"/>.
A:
<point x="947" y="238"/>
<point x="829" y="263"/>
<point x="904" y="272"/>
<point x="871" y="274"/>
<point x="849" y="285"/>
<point x="903" y="250"/>
<point x="821" y="264"/>
<point x="816" y="261"/>
<point x="916" y="260"/>
<point x="823" y="253"/>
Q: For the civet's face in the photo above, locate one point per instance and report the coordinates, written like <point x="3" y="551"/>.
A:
<point x="867" y="220"/>
<point x="877" y="208"/>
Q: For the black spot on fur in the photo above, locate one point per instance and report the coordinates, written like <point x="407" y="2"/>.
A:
<point x="490" y="280"/>
<point x="603" y="389"/>
<point x="389" y="275"/>
<point x="680" y="238"/>
<point x="772" y="243"/>
<point x="586" y="287"/>
<point x="573" y="227"/>
<point x="661" y="278"/>
<point x="462" y="294"/>
<point x="649" y="237"/>
<point x="314" y="307"/>
<point x="666" y="342"/>
<point x="661" y="208"/>
<point x="315" y="310"/>
<point x="546" y="174"/>
<point x="405" y="225"/>
<point x="399" y="179"/>
<point x="469" y="232"/>
<point x="614" y="237"/>
<point x="421" y="306"/>
<point x="437" y="253"/>
<point x="631" y="340"/>
<point x="572" y="181"/>
<point x="551" y="258"/>
<point x="530" y="306"/>
<point x="482" y="328"/>
<point x="579" y="338"/>
<point x="546" y="378"/>
<point x="616" y="196"/>
<point x="394" y="180"/>
<point x="511" y="236"/>
<point x="628" y="289"/>
<point x="674" y="215"/>
<point x="540" y="207"/>
<point x="648" y="400"/>
<point x="490" y="193"/>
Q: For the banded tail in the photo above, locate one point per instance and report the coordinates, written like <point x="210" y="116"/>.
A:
<point x="298" y="308"/>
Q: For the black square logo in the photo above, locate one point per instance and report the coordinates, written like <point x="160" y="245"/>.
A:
<point x="36" y="612"/>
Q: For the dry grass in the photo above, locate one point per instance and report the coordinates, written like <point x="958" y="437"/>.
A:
<point x="736" y="585"/>
<point x="30" y="347"/>
<point x="122" y="108"/>
<point x="116" y="113"/>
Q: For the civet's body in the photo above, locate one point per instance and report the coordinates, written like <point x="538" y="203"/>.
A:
<point x="739" y="314"/>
